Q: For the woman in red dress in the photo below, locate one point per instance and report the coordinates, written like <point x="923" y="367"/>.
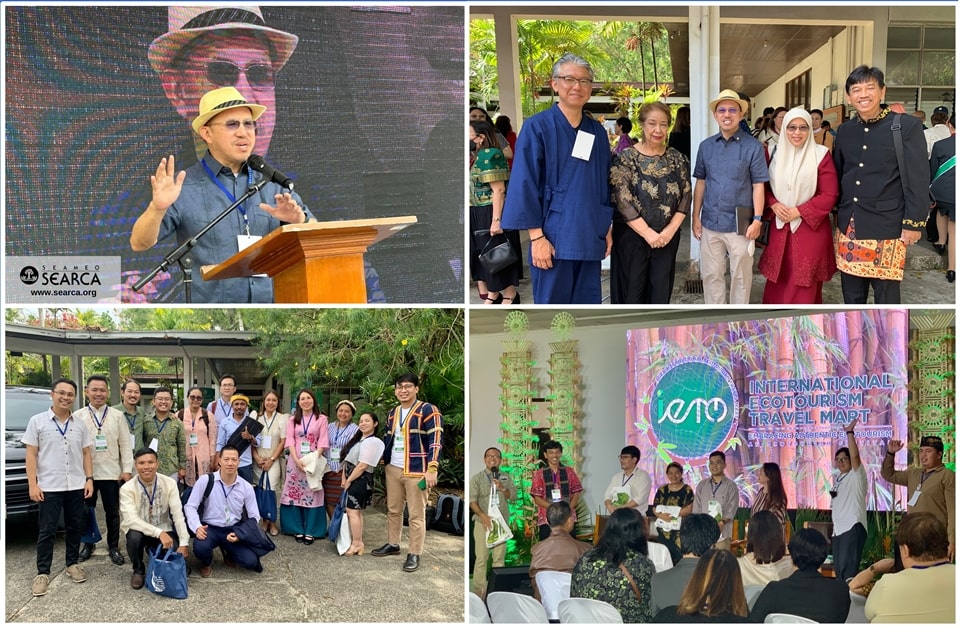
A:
<point x="802" y="192"/>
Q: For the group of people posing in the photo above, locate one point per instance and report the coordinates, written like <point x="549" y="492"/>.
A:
<point x="813" y="204"/>
<point x="669" y="559"/>
<point x="165" y="477"/>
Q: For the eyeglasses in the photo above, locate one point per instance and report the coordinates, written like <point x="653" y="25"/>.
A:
<point x="65" y="393"/>
<point x="196" y="397"/>
<point x="233" y="126"/>
<point x="226" y="74"/>
<point x="405" y="386"/>
<point x="793" y="128"/>
<point x="725" y="110"/>
<point x="570" y="81"/>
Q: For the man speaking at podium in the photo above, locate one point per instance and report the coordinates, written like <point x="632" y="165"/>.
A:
<point x="185" y="202"/>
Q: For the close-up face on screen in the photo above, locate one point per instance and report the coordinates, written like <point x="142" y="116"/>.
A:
<point x="363" y="110"/>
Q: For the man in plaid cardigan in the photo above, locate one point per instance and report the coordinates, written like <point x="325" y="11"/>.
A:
<point x="414" y="438"/>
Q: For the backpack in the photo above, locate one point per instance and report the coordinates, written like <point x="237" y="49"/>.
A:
<point x="185" y="496"/>
<point x="449" y="514"/>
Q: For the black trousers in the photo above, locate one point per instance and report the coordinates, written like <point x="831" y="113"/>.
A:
<point x="847" y="552"/>
<point x="247" y="474"/>
<point x="110" y="491"/>
<point x="138" y="543"/>
<point x="856" y="289"/>
<point x="55" y="502"/>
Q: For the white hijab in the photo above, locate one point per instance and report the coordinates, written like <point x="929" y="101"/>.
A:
<point x="793" y="170"/>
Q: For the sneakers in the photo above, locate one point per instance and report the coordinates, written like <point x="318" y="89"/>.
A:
<point x="76" y="573"/>
<point x="40" y="585"/>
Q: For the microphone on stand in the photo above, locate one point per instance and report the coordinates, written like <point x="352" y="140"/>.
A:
<point x="269" y="172"/>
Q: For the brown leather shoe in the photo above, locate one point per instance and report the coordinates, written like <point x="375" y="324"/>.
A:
<point x="205" y="571"/>
<point x="136" y="581"/>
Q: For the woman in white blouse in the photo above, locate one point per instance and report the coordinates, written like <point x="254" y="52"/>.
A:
<point x="360" y="458"/>
<point x="267" y="457"/>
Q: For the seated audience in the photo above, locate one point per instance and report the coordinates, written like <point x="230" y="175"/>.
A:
<point x="698" y="533"/>
<point x="925" y="591"/>
<point x="713" y="595"/>
<point x="793" y="595"/>
<point x="766" y="558"/>
<point x="150" y="509"/>
<point x="559" y="551"/>
<point x="617" y="570"/>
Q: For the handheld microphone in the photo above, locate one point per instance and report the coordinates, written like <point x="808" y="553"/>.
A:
<point x="495" y="472"/>
<point x="269" y="172"/>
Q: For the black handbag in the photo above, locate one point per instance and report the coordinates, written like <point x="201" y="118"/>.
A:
<point x="497" y="254"/>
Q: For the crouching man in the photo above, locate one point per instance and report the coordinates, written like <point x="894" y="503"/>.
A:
<point x="216" y="518"/>
<point x="148" y="502"/>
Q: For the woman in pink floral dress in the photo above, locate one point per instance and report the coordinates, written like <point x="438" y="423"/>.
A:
<point x="201" y="433"/>
<point x="302" y="512"/>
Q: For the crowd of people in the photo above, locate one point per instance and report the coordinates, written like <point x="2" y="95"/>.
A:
<point x="164" y="477"/>
<point x="703" y="578"/>
<point x="815" y="199"/>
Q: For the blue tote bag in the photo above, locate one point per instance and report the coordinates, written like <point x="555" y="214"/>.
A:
<point x="266" y="498"/>
<point x="167" y="573"/>
<point x="337" y="519"/>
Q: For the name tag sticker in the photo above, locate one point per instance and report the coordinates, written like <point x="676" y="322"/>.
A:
<point x="583" y="145"/>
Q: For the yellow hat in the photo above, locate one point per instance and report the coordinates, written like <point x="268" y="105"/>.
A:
<point x="729" y="94"/>
<point x="240" y="397"/>
<point x="223" y="99"/>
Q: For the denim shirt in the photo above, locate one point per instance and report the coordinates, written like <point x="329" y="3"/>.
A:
<point x="730" y="168"/>
<point x="200" y="201"/>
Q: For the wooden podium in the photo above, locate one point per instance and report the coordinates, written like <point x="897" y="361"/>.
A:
<point x="313" y="262"/>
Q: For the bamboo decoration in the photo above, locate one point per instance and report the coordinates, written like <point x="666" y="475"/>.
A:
<point x="565" y="397"/>
<point x="520" y="449"/>
<point x="932" y="409"/>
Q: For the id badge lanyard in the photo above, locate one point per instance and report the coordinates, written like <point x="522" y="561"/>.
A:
<point x="233" y="199"/>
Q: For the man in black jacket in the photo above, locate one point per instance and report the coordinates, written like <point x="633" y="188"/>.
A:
<point x="879" y="203"/>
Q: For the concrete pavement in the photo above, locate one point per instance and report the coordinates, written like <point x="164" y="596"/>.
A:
<point x="298" y="584"/>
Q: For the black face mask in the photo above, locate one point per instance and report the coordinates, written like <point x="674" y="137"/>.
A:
<point x="472" y="145"/>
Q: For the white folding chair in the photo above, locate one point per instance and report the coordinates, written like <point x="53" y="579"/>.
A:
<point x="507" y="607"/>
<point x="579" y="610"/>
<point x="752" y="591"/>
<point x="787" y="618"/>
<point x="857" y="613"/>
<point x="478" y="610"/>
<point x="660" y="555"/>
<point x="553" y="586"/>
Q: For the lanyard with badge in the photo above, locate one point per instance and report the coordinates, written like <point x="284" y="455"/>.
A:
<point x="194" y="439"/>
<point x="226" y="502"/>
<point x="243" y="239"/>
<point x="132" y="422"/>
<point x="100" y="440"/>
<point x="266" y="440"/>
<point x="335" y="449"/>
<point x="398" y="431"/>
<point x="224" y="408"/>
<point x="150" y="497"/>
<point x="305" y="444"/>
<point x="66" y="423"/>
<point x="916" y="493"/>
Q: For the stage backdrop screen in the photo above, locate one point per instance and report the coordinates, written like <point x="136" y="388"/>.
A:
<point x="778" y="390"/>
<point x="367" y="116"/>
